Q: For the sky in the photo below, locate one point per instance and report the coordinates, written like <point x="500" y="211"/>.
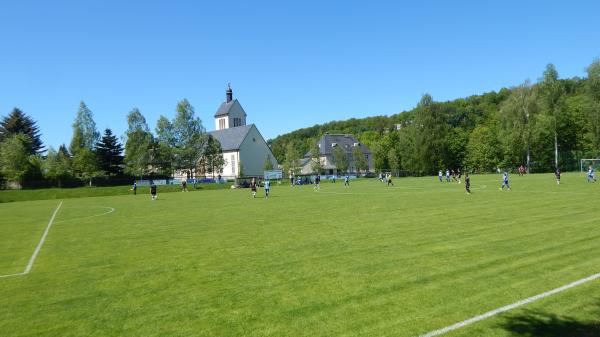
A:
<point x="291" y="64"/>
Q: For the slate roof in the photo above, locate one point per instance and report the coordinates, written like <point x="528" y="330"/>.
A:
<point x="225" y="107"/>
<point x="345" y="141"/>
<point x="231" y="138"/>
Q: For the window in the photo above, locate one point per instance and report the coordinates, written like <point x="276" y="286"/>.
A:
<point x="237" y="121"/>
<point x="233" y="164"/>
<point x="221" y="123"/>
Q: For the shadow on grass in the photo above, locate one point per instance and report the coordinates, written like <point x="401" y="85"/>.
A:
<point x="542" y="324"/>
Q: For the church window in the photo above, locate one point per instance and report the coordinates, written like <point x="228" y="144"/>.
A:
<point x="232" y="164"/>
<point x="221" y="123"/>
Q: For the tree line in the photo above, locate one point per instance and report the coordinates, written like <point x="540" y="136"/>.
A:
<point x="180" y="144"/>
<point x="543" y="126"/>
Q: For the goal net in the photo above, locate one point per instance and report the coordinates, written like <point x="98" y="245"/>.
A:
<point x="586" y="163"/>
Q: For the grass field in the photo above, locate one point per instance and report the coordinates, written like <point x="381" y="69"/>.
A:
<point x="84" y="192"/>
<point x="360" y="261"/>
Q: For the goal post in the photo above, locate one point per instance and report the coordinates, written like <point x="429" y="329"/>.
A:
<point x="584" y="164"/>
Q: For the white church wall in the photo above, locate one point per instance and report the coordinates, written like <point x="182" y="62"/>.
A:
<point x="253" y="152"/>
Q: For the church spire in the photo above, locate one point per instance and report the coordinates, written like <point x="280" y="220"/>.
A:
<point x="229" y="93"/>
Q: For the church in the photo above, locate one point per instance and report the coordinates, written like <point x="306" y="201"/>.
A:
<point x="242" y="144"/>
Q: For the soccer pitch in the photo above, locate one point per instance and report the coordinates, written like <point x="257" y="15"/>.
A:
<point x="366" y="260"/>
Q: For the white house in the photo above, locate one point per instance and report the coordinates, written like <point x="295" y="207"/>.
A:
<point x="240" y="142"/>
<point x="326" y="146"/>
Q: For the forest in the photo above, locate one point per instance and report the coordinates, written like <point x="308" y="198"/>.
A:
<point x="545" y="125"/>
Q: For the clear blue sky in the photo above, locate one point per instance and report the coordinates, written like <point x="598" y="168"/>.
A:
<point x="291" y="65"/>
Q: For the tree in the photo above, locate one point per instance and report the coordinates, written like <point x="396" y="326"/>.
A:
<point x="85" y="165"/>
<point x="340" y="159"/>
<point x="360" y="162"/>
<point x="212" y="156"/>
<point x="57" y="166"/>
<point x="430" y="131"/>
<point x="18" y="122"/>
<point x="138" y="145"/>
<point x="483" y="149"/>
<point x="85" y="134"/>
<point x="268" y="164"/>
<point x="110" y="154"/>
<point x="592" y="105"/>
<point x="393" y="159"/>
<point x="14" y="159"/>
<point x="240" y="169"/>
<point x="518" y="117"/>
<point x="551" y="94"/>
<point x="164" y="145"/>
<point x="315" y="157"/>
<point x="292" y="159"/>
<point x="188" y="136"/>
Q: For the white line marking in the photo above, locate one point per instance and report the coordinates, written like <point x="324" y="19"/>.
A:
<point x="39" y="245"/>
<point x="510" y="306"/>
<point x="110" y="210"/>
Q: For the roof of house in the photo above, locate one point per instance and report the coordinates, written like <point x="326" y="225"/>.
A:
<point x="231" y="138"/>
<point x="345" y="141"/>
<point x="225" y="107"/>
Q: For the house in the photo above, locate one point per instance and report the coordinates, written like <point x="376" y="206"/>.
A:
<point x="240" y="142"/>
<point x="326" y="146"/>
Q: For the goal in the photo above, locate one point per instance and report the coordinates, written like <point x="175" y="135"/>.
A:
<point x="586" y="163"/>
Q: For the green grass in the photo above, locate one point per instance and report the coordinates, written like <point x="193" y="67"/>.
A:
<point x="84" y="192"/>
<point x="360" y="261"/>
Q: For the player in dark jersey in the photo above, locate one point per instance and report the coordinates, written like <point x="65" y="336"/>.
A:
<point x="467" y="183"/>
<point x="557" y="175"/>
<point x="389" y="179"/>
<point x="153" y="190"/>
<point x="253" y="187"/>
<point x="134" y="188"/>
<point x="318" y="182"/>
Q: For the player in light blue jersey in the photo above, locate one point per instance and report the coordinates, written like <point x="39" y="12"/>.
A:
<point x="440" y="175"/>
<point x="505" y="181"/>
<point x="267" y="188"/>
<point x="447" y="175"/>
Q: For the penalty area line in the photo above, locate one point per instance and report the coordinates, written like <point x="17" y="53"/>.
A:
<point x="510" y="306"/>
<point x="38" y="247"/>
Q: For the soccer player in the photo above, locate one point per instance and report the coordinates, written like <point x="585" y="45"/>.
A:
<point x="557" y="175"/>
<point x="389" y="180"/>
<point x="440" y="175"/>
<point x="467" y="183"/>
<point x="184" y="186"/>
<point x="591" y="176"/>
<point x="291" y="180"/>
<point x="318" y="182"/>
<point x="505" y="181"/>
<point x="153" y="190"/>
<point x="253" y="187"/>
<point x="267" y="188"/>
<point x="346" y="180"/>
<point x="447" y="175"/>
<point x="134" y="187"/>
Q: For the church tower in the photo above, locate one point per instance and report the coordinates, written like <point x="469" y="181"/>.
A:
<point x="230" y="114"/>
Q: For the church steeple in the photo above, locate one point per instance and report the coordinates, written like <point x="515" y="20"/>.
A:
<point x="229" y="93"/>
